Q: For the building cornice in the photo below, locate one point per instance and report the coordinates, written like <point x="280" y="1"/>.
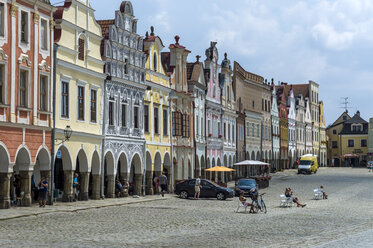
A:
<point x="80" y="69"/>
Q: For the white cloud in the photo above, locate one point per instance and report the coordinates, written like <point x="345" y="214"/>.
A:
<point x="332" y="39"/>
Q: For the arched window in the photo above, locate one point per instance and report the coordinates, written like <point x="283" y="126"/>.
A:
<point x="81" y="44"/>
<point x="155" y="61"/>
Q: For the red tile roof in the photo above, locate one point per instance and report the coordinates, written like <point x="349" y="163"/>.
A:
<point x="105" y="24"/>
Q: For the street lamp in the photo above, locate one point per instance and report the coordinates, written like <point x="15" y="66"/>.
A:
<point x="67" y="133"/>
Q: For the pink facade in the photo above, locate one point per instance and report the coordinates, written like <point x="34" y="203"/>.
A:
<point x="213" y="108"/>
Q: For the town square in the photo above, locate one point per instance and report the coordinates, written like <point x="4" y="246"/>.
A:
<point x="185" y="124"/>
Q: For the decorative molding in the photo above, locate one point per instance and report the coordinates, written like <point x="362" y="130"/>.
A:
<point x="36" y="17"/>
<point x="14" y="9"/>
<point x="44" y="66"/>
<point x="24" y="58"/>
<point x="3" y="55"/>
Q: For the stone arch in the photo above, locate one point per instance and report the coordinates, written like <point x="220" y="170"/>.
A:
<point x="190" y="169"/>
<point x="149" y="160"/>
<point x="22" y="168"/>
<point x="95" y="167"/>
<point x="22" y="158"/>
<point x="213" y="162"/>
<point x="234" y="159"/>
<point x="266" y="156"/>
<point x="175" y="167"/>
<point x="208" y="163"/>
<point x="109" y="175"/>
<point x="225" y="160"/>
<point x="203" y="167"/>
<point x="158" y="163"/>
<point x="218" y="163"/>
<point x="167" y="168"/>
<point x="230" y="162"/>
<point x="258" y="156"/>
<point x="81" y="162"/>
<point x="94" y="186"/>
<point x="65" y="157"/>
<point x="197" y="169"/>
<point x="4" y="159"/>
<point x="252" y="155"/>
<point x="136" y="174"/>
<point x="247" y="156"/>
<point x="122" y="167"/>
<point x="42" y="165"/>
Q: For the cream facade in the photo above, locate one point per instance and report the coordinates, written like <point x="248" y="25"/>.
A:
<point x="323" y="144"/>
<point x="79" y="101"/>
<point x="157" y="114"/>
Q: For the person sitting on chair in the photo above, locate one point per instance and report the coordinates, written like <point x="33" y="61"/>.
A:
<point x="118" y="188"/>
<point x="289" y="193"/>
<point x="324" y="195"/>
<point x="246" y="203"/>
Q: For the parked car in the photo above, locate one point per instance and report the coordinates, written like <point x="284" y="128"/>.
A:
<point x="209" y="189"/>
<point x="245" y="185"/>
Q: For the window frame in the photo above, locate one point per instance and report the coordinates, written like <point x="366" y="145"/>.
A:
<point x="156" y="120"/>
<point x="46" y="94"/>
<point x="364" y="143"/>
<point x="3" y="82"/>
<point x="24" y="34"/>
<point x="111" y="110"/>
<point x="350" y="143"/>
<point x="93" y="102"/>
<point x="44" y="43"/>
<point x="2" y="19"/>
<point x="146" y="118"/>
<point x="81" y="48"/>
<point x="81" y="105"/>
<point x="26" y="89"/>
<point x="136" y="116"/>
<point x="165" y="121"/>
<point x="65" y="107"/>
<point x="124" y="113"/>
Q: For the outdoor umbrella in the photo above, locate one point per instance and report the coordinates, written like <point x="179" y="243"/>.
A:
<point x="220" y="168"/>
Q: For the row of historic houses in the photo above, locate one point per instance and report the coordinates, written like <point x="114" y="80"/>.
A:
<point x="94" y="98"/>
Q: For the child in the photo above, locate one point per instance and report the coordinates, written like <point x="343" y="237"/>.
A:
<point x="324" y="195"/>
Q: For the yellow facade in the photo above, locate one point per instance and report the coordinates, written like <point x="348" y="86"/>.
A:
<point x="158" y="142"/>
<point x="323" y="144"/>
<point x="79" y="64"/>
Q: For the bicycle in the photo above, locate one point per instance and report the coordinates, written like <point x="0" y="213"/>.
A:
<point x="260" y="205"/>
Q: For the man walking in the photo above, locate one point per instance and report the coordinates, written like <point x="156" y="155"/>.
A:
<point x="75" y="186"/>
<point x="197" y="188"/>
<point x="163" y="183"/>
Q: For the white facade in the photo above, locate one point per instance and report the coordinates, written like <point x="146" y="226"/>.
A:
<point x="275" y="131"/>
<point x="308" y="122"/>
<point x="300" y="126"/>
<point x="291" y="128"/>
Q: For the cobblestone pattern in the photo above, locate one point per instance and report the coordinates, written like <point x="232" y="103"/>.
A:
<point x="211" y="223"/>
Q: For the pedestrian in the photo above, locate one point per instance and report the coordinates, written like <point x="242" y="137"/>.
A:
<point x="118" y="189"/>
<point x="163" y="183"/>
<point x="197" y="188"/>
<point x="156" y="184"/>
<point x="42" y="194"/>
<point x="17" y="185"/>
<point x="75" y="186"/>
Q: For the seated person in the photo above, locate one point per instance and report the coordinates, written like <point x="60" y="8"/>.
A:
<point x="245" y="203"/>
<point x="324" y="195"/>
<point x="118" y="188"/>
<point x="289" y="193"/>
<point x="253" y="194"/>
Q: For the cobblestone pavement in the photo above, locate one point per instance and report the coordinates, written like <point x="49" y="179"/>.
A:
<point x="344" y="220"/>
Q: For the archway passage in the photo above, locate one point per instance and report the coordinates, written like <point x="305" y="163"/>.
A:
<point x="81" y="169"/>
<point x="136" y="175"/>
<point x="190" y="170"/>
<point x="5" y="177"/>
<point x="149" y="176"/>
<point x="167" y="170"/>
<point x="157" y="170"/>
<point x="95" y="178"/>
<point x="22" y="174"/>
<point x="175" y="170"/>
<point x="109" y="175"/>
<point x="203" y="167"/>
<point x="63" y="171"/>
<point x="197" y="169"/>
<point x="41" y="170"/>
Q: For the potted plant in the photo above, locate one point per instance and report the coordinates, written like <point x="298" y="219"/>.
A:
<point x="210" y="134"/>
<point x="220" y="136"/>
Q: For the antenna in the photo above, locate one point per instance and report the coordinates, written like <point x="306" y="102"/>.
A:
<point x="345" y="103"/>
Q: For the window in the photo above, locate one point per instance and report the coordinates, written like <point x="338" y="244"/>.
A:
<point x="176" y="124"/>
<point x="126" y="66"/>
<point x="209" y="127"/>
<point x="24" y="27"/>
<point x="146" y="118"/>
<point x="262" y="104"/>
<point x="253" y="104"/>
<point x="2" y="19"/>
<point x="350" y="143"/>
<point x="225" y="131"/>
<point x="228" y="93"/>
<point x="93" y="106"/>
<point x="364" y="143"/>
<point x="253" y="129"/>
<point x="213" y="92"/>
<point x="124" y="115"/>
<point x="257" y="130"/>
<point x="155" y="61"/>
<point x="156" y="121"/>
<point x="23" y="78"/>
<point x="81" y="103"/>
<point x="229" y="131"/>
<point x="44" y="34"/>
<point x="136" y="116"/>
<point x="344" y="118"/>
<point x="334" y="131"/>
<point x="43" y="96"/>
<point x="111" y="112"/>
<point x="247" y="129"/>
<point x="185" y="126"/>
<point x="65" y="100"/>
<point x="81" y="49"/>
<point x="165" y="122"/>
<point x="2" y="85"/>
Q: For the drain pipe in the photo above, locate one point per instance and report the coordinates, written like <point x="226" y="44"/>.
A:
<point x="55" y="46"/>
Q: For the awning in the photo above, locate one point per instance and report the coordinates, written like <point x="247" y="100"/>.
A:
<point x="251" y="162"/>
<point x="220" y="168"/>
<point x="350" y="155"/>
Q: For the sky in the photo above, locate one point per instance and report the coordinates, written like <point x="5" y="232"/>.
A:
<point x="293" y="41"/>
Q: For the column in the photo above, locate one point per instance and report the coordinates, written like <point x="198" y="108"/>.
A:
<point x="14" y="12"/>
<point x="110" y="186"/>
<point x="26" y="187"/>
<point x="35" y="65"/>
<point x="138" y="184"/>
<point x="68" y="186"/>
<point x="4" y="190"/>
<point x="84" y="182"/>
<point x="149" y="183"/>
<point x="96" y="187"/>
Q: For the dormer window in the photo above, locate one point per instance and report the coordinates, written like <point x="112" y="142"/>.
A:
<point x="155" y="61"/>
<point x="356" y="128"/>
<point x="81" y="49"/>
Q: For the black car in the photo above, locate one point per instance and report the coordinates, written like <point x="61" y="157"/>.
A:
<point x="245" y="185"/>
<point x="209" y="189"/>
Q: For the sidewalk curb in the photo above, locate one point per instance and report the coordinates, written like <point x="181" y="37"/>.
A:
<point x="82" y="208"/>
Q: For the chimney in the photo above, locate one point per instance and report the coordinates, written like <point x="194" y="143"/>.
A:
<point x="358" y="113"/>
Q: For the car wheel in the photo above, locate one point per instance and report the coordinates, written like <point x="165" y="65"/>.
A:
<point x="315" y="171"/>
<point x="220" y="196"/>
<point x="183" y="194"/>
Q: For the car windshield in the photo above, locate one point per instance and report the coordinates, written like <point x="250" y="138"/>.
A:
<point x="246" y="183"/>
<point x="305" y="162"/>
